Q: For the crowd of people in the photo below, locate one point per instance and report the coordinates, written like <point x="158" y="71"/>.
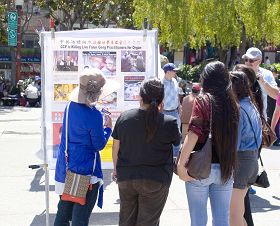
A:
<point x="22" y="94"/>
<point x="227" y="106"/>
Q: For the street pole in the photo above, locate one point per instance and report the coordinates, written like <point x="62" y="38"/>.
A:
<point x="19" y="43"/>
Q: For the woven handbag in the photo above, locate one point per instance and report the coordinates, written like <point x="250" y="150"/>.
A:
<point x="76" y="185"/>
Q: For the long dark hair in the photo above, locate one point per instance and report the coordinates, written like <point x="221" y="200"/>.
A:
<point x="254" y="85"/>
<point x="240" y="85"/>
<point x="152" y="93"/>
<point x="225" y="115"/>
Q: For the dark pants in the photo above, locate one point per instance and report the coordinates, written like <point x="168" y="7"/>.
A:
<point x="78" y="214"/>
<point x="248" y="214"/>
<point x="141" y="202"/>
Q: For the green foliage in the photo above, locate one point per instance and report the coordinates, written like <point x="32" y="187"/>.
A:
<point x="3" y="34"/>
<point x="69" y="12"/>
<point x="268" y="67"/>
<point x="190" y="73"/>
<point x="224" y="23"/>
<point x="120" y="12"/>
<point x="185" y="72"/>
<point x="98" y="12"/>
<point x="277" y="66"/>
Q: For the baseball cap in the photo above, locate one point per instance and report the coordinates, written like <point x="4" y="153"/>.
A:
<point x="170" y="67"/>
<point x="253" y="53"/>
<point x="37" y="78"/>
<point x="196" y="87"/>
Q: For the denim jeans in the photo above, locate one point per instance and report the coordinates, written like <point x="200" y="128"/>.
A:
<point x="175" y="114"/>
<point x="219" y="194"/>
<point x="78" y="214"/>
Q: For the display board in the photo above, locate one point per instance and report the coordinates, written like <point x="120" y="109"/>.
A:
<point x="127" y="56"/>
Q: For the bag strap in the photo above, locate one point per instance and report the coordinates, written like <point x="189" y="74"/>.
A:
<point x="66" y="141"/>
<point x="210" y="118"/>
<point x="250" y="124"/>
<point x="66" y="135"/>
<point x="254" y="133"/>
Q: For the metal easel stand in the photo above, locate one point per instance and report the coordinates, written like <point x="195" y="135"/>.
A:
<point x="46" y="169"/>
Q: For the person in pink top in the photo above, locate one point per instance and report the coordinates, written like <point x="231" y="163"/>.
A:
<point x="276" y="113"/>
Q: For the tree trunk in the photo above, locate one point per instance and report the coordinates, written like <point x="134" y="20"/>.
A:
<point x="242" y="48"/>
<point x="233" y="55"/>
<point x="222" y="54"/>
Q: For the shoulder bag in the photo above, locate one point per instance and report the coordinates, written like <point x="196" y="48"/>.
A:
<point x="268" y="135"/>
<point x="76" y="185"/>
<point x="262" y="178"/>
<point x="199" y="164"/>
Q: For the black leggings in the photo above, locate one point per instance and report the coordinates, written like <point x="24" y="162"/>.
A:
<point x="248" y="214"/>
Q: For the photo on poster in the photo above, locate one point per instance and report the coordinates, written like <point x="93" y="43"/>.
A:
<point x="65" y="60"/>
<point x="108" y="101"/>
<point x="105" y="61"/>
<point x="133" y="61"/>
<point x="57" y="130"/>
<point x="132" y="86"/>
<point x="61" y="92"/>
<point x="57" y="116"/>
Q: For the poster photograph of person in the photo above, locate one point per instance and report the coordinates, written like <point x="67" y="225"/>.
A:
<point x="133" y="61"/>
<point x="132" y="87"/>
<point x="109" y="101"/>
<point x="66" y="61"/>
<point x="105" y="61"/>
<point x="57" y="130"/>
<point x="62" y="91"/>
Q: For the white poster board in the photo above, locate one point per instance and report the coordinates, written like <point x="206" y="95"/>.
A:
<point x="128" y="56"/>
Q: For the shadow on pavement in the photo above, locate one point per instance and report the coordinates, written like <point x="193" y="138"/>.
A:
<point x="108" y="218"/>
<point x="8" y="109"/>
<point x="21" y="133"/>
<point x="274" y="147"/>
<point x="259" y="204"/>
<point x="35" y="184"/>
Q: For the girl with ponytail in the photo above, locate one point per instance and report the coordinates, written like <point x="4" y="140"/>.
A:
<point x="143" y="158"/>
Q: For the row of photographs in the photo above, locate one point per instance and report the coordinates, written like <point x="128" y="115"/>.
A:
<point x="131" y="61"/>
<point x="57" y="118"/>
<point x="131" y="90"/>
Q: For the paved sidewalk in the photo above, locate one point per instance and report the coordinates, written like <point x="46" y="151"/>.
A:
<point x="22" y="189"/>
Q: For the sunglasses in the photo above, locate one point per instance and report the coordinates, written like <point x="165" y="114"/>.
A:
<point x="250" y="60"/>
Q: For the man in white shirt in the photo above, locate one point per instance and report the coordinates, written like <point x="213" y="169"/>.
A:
<point x="253" y="59"/>
<point x="32" y="95"/>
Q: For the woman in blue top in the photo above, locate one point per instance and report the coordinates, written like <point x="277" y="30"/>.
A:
<point x="248" y="144"/>
<point x="86" y="137"/>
